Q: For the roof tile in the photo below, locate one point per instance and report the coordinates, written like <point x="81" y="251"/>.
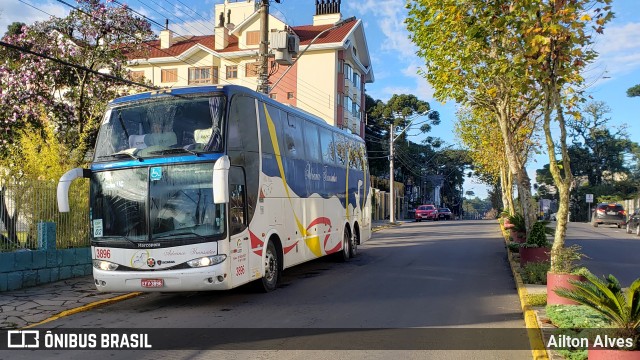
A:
<point x="306" y="33"/>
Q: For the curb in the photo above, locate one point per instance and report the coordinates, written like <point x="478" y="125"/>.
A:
<point x="386" y="226"/>
<point x="538" y="349"/>
<point x="85" y="307"/>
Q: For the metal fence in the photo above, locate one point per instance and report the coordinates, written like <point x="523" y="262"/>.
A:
<point x="24" y="204"/>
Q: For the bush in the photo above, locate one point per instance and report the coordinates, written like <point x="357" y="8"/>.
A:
<point x="514" y="247"/>
<point x="538" y="235"/>
<point x="566" y="259"/>
<point x="31" y="172"/>
<point x="606" y="296"/>
<point x="518" y="222"/>
<point x="535" y="273"/>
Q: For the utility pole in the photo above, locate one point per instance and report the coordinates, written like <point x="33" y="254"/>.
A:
<point x="392" y="139"/>
<point x="392" y="200"/>
<point x="263" y="69"/>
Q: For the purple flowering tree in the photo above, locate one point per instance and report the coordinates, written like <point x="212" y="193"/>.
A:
<point x="97" y="36"/>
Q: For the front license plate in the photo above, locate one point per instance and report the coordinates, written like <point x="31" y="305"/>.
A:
<point x="152" y="283"/>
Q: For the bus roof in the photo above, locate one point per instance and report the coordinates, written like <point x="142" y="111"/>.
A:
<point x="190" y="90"/>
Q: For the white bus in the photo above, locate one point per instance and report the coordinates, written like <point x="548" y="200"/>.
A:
<point x="209" y="188"/>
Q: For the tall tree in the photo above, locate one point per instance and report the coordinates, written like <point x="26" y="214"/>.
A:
<point x="473" y="56"/>
<point x="606" y="146"/>
<point x="558" y="43"/>
<point x="633" y="91"/>
<point x="95" y="36"/>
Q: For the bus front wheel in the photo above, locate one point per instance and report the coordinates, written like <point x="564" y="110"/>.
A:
<point x="269" y="280"/>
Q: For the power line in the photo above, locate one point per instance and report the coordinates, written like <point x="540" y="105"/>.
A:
<point x="301" y="85"/>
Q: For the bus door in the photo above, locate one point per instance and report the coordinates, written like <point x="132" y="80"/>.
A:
<point x="239" y="244"/>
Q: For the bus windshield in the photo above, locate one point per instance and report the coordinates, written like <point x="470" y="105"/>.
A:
<point x="167" y="126"/>
<point x="158" y="203"/>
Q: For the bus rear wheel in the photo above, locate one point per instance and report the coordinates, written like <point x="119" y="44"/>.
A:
<point x="353" y="245"/>
<point x="269" y="280"/>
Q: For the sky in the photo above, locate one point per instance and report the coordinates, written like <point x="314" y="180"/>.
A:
<point x="394" y="59"/>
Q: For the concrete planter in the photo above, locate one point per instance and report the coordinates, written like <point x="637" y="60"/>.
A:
<point x="610" y="354"/>
<point x="555" y="281"/>
<point x="537" y="255"/>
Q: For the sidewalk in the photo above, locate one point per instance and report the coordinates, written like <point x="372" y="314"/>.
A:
<point x="43" y="303"/>
<point x="24" y="307"/>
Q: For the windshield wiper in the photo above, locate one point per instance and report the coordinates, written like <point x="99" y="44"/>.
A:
<point x="178" y="234"/>
<point x="120" y="155"/>
<point x="116" y="238"/>
<point x="175" y="151"/>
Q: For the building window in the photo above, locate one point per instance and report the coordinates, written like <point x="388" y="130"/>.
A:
<point x="290" y="95"/>
<point x="137" y="75"/>
<point x="273" y="96"/>
<point x="203" y="75"/>
<point x="348" y="104"/>
<point x="169" y="75"/>
<point x="251" y="69"/>
<point x="253" y="37"/>
<point x="232" y="72"/>
<point x="348" y="72"/>
<point x="356" y="80"/>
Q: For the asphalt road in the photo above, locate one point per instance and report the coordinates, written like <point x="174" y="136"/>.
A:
<point x="446" y="274"/>
<point x="610" y="250"/>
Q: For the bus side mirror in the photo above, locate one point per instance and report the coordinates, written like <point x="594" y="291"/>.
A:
<point x="221" y="180"/>
<point x="65" y="182"/>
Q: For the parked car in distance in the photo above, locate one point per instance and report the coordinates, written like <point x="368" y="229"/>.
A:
<point x="633" y="224"/>
<point x="428" y="212"/>
<point x="609" y="214"/>
<point x="444" y="213"/>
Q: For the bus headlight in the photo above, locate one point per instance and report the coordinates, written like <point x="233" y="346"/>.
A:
<point x="104" y="265"/>
<point x="207" y="261"/>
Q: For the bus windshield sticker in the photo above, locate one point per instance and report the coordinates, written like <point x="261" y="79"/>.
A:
<point x="97" y="228"/>
<point x="156" y="173"/>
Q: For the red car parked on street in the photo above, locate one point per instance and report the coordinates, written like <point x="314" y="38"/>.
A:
<point x="428" y="212"/>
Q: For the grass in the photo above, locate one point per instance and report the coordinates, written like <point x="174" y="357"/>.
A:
<point x="535" y="273"/>
<point x="575" y="317"/>
<point x="572" y="320"/>
<point x="536" y="299"/>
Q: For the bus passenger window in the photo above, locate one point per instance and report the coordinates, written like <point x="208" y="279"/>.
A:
<point x="293" y="137"/>
<point x="328" y="146"/>
<point x="312" y="144"/>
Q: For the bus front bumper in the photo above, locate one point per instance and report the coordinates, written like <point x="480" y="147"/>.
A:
<point x="197" y="279"/>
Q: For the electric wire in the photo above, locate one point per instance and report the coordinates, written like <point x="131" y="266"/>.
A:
<point x="313" y="93"/>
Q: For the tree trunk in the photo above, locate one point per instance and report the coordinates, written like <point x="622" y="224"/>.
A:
<point x="516" y="167"/>
<point x="562" y="178"/>
<point x="506" y="182"/>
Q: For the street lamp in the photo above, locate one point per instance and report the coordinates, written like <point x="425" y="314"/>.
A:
<point x="335" y="26"/>
<point x="392" y="139"/>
